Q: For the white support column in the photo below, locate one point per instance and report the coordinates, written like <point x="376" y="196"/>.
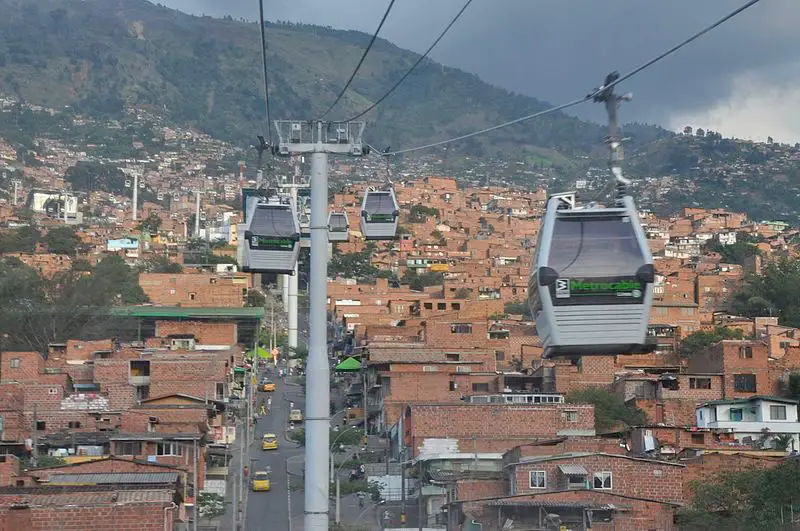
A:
<point x="135" y="196"/>
<point x="317" y="371"/>
<point x="291" y="292"/>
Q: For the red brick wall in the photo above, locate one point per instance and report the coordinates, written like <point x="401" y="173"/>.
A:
<point x="207" y="333"/>
<point x="169" y="420"/>
<point x="673" y="412"/>
<point x="223" y="292"/>
<point x="637" y="516"/>
<point x="116" y="517"/>
<point x="659" y="481"/>
<point x="439" y="334"/>
<point x="476" y="489"/>
<point x="30" y="365"/>
<point x="496" y="428"/>
<point x="685" y="392"/>
<point x="9" y="468"/>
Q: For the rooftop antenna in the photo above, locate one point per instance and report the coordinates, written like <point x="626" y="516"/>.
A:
<point x="605" y="94"/>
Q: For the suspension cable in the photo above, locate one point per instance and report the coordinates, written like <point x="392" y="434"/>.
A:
<point x="361" y="61"/>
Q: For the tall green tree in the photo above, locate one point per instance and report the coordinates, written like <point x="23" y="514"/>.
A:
<point x="609" y="408"/>
<point x="775" y="292"/>
<point x="62" y="240"/>
<point x="701" y="340"/>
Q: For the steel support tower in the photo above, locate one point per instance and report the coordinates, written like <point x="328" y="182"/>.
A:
<point x="318" y="139"/>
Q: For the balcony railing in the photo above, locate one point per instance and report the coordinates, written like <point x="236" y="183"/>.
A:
<point x="517" y="398"/>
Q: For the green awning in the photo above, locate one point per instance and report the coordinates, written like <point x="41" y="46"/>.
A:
<point x="262" y="353"/>
<point x="350" y="364"/>
<point x="238" y="369"/>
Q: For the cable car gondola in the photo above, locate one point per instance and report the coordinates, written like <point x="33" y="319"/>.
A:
<point x="338" y="227"/>
<point x="379" y="215"/>
<point x="591" y="286"/>
<point x="271" y="242"/>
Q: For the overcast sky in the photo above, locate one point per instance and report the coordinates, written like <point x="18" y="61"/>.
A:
<point x="742" y="79"/>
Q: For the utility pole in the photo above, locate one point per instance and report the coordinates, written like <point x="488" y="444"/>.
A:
<point x="196" y="492"/>
<point x="607" y="96"/>
<point x="297" y="138"/>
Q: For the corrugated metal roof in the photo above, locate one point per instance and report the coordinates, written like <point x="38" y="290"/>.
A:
<point x="175" y="311"/>
<point x="109" y="478"/>
<point x="573" y="470"/>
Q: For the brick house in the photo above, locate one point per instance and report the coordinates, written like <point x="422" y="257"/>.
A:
<point x="491" y="427"/>
<point x="611" y="491"/>
<point x="744" y="364"/>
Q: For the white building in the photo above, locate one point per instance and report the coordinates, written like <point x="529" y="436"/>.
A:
<point x="757" y="420"/>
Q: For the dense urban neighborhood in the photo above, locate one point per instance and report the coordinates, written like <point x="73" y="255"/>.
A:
<point x="147" y="382"/>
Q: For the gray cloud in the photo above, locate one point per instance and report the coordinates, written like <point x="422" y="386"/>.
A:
<point x="556" y="50"/>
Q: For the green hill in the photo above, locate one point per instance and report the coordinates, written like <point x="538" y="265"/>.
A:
<point x="101" y="56"/>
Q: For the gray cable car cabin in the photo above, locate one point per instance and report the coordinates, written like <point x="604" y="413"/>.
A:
<point x="338" y="227"/>
<point x="269" y="240"/>
<point x="591" y="284"/>
<point x="379" y="215"/>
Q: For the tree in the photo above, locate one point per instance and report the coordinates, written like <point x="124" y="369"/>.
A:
<point x="463" y="293"/>
<point x="421" y="213"/>
<point x="352" y="265"/>
<point x="161" y="264"/>
<point x="518" y="308"/>
<point x="775" y="292"/>
<point x="43" y="461"/>
<point x="36" y="311"/>
<point x="735" y="253"/>
<point x="609" y="408"/>
<point x="701" y="340"/>
<point x="62" y="240"/>
<point x="210" y="505"/>
<point x="151" y="224"/>
<point x="748" y="500"/>
<point x="22" y="240"/>
<point x="255" y="299"/>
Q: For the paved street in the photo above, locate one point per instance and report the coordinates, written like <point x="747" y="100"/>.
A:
<point x="269" y="511"/>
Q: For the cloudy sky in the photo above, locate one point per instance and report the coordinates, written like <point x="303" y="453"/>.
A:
<point x="742" y="79"/>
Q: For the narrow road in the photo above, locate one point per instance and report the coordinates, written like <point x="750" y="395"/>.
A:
<point x="269" y="511"/>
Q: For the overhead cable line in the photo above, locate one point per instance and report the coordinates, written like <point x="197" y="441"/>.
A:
<point x="361" y="61"/>
<point x="589" y="97"/>
<point x="266" y="76"/>
<point x="410" y="70"/>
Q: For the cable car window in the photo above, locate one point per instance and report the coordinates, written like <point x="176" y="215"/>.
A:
<point x="380" y="206"/>
<point x="273" y="229"/>
<point x="597" y="247"/>
<point x="338" y="222"/>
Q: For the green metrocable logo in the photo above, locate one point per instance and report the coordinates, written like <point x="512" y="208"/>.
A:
<point x="615" y="287"/>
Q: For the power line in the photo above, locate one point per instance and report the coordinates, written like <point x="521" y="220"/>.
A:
<point x="266" y="76"/>
<point x="361" y="61"/>
<point x="594" y="93"/>
<point x="421" y="58"/>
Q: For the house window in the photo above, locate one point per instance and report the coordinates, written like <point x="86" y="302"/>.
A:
<point x="430" y="368"/>
<point x="452" y="357"/>
<point x="777" y="412"/>
<point x="746" y="352"/>
<point x="142" y="392"/>
<point x="14" y="363"/>
<point x="428" y="306"/>
<point x="461" y="328"/>
<point x="538" y="479"/>
<point x="571" y="416"/>
<point x="441" y="306"/>
<point x="456" y="306"/>
<point x="172" y="291"/>
<point x="698" y="438"/>
<point x="699" y="383"/>
<point x="192" y="296"/>
<point x="480" y="387"/>
<point x="499" y="355"/>
<point x="129" y="448"/>
<point x="40" y="425"/>
<point x="220" y="391"/>
<point x="453" y="385"/>
<point x="602" y="480"/>
<point x="74" y="424"/>
<point x="169" y="449"/>
<point x="744" y="383"/>
<point x="735" y="415"/>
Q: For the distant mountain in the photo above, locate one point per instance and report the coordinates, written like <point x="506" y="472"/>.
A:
<point x="100" y="56"/>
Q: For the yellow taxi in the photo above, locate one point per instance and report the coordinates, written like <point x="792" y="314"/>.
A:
<point x="260" y="482"/>
<point x="296" y="416"/>
<point x="267" y="385"/>
<point x="269" y="442"/>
